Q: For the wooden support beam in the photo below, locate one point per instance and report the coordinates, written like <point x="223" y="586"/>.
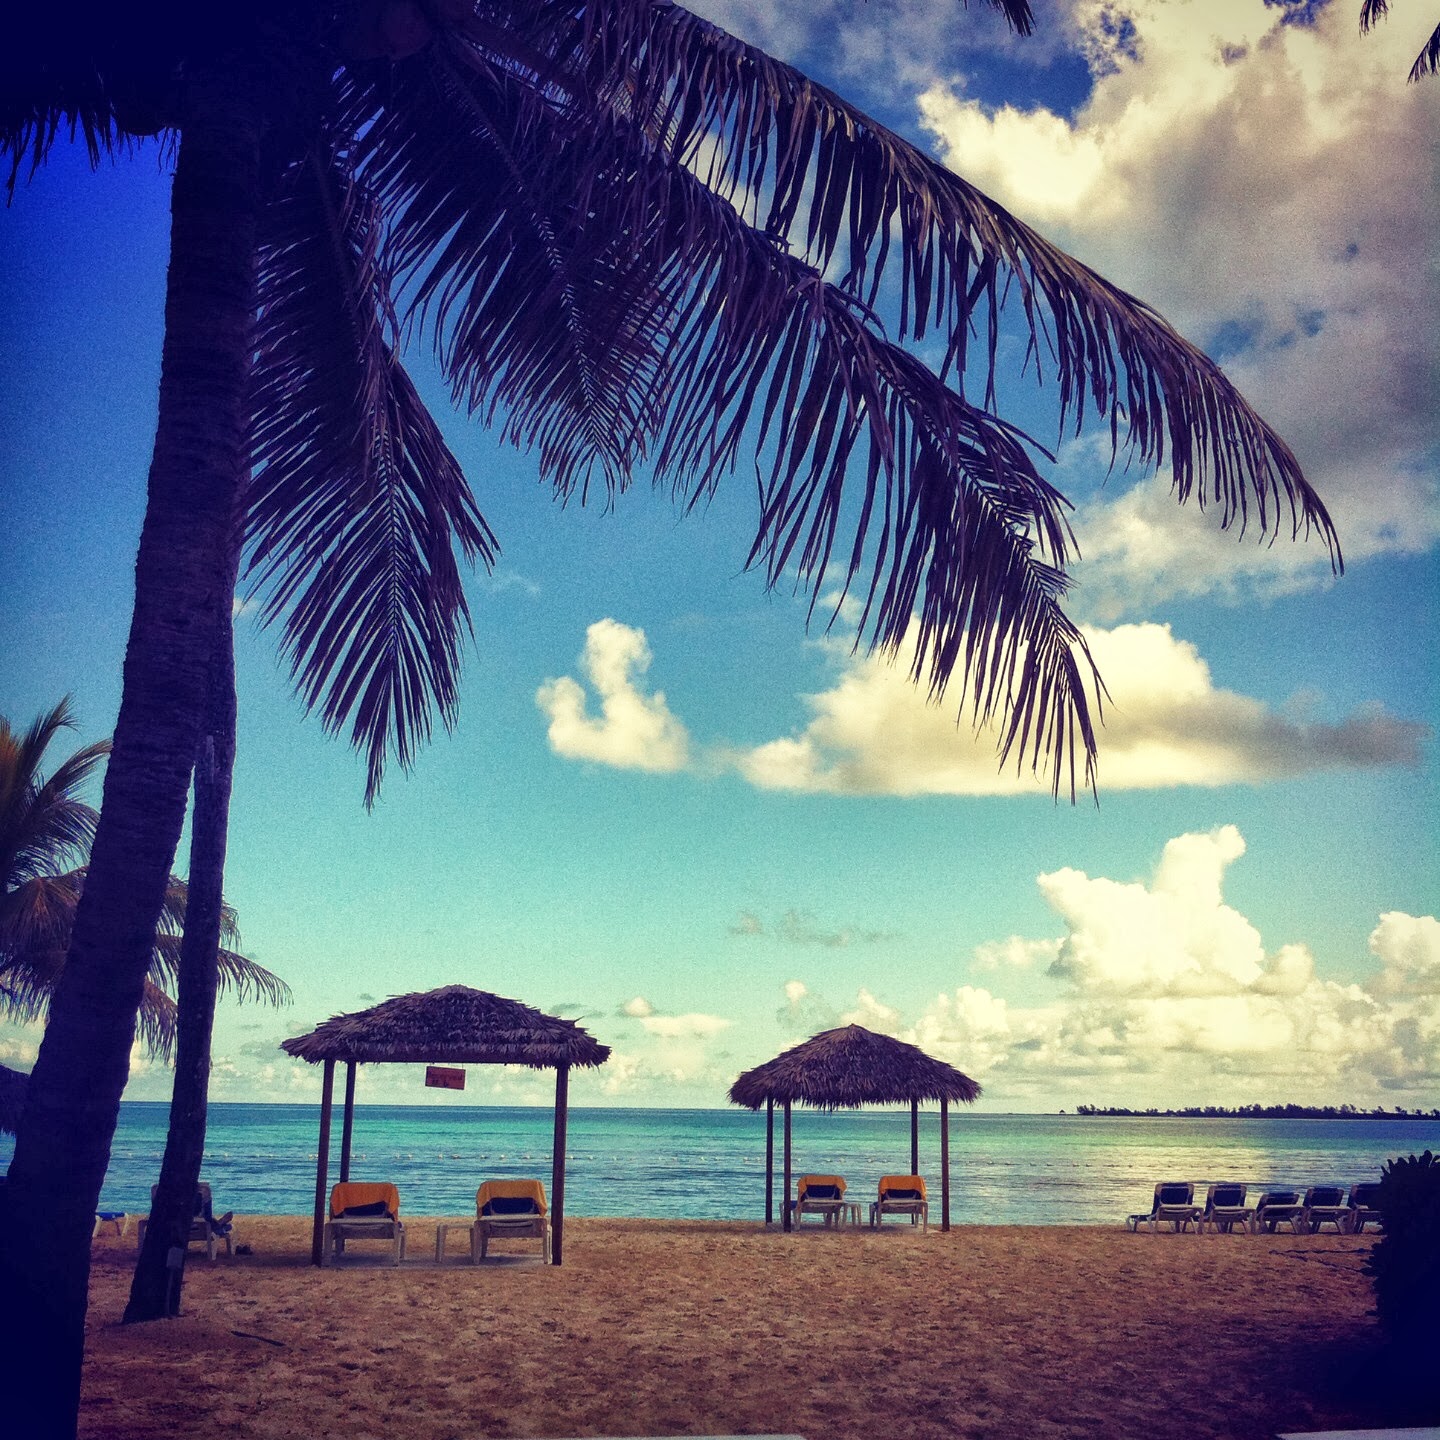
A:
<point x="347" y="1127"/>
<point x="770" y="1160"/>
<point x="785" y="1213"/>
<point x="914" y="1137"/>
<point x="557" y="1165"/>
<point x="945" y="1164"/>
<point x="322" y="1164"/>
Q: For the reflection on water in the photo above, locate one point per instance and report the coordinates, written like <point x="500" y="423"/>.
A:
<point x="710" y="1164"/>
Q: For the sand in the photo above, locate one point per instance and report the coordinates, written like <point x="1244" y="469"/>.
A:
<point x="673" y="1328"/>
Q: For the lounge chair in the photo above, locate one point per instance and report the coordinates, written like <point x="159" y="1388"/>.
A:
<point x="510" y="1209"/>
<point x="822" y="1195"/>
<point x="1174" y="1203"/>
<point x="1325" y="1205"/>
<point x="1363" y="1207"/>
<point x="361" y="1210"/>
<point x="1278" y="1206"/>
<point x="901" y="1195"/>
<point x="206" y="1227"/>
<point x="1225" y="1208"/>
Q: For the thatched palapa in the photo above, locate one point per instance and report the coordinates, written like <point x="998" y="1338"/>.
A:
<point x="454" y="1025"/>
<point x="848" y="1067"/>
<point x="844" y="1069"/>
<point x="12" y="1098"/>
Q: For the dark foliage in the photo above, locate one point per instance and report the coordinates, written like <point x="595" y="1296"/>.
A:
<point x="1405" y="1263"/>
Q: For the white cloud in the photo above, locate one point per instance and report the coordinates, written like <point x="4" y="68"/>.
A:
<point x="633" y="731"/>
<point x="1167" y="995"/>
<point x="691" y="1026"/>
<point x="1165" y="724"/>
<point x="1408" y="948"/>
<point x="1270" y="188"/>
<point x="638" y="1008"/>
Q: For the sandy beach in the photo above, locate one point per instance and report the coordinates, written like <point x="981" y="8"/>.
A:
<point x="702" y="1328"/>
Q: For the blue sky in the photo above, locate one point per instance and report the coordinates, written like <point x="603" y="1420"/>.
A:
<point x="672" y="810"/>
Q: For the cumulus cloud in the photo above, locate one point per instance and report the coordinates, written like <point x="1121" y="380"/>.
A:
<point x="1305" y="263"/>
<point x="1166" y="994"/>
<point x="633" y="731"/>
<point x="1166" y="723"/>
<point x="638" y="1008"/>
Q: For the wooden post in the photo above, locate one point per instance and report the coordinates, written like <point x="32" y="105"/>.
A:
<point x="914" y="1137"/>
<point x="945" y="1164"/>
<point x="347" y="1128"/>
<point x="322" y="1164"/>
<point x="557" y="1165"/>
<point x="770" y="1160"/>
<point x="785" y="1221"/>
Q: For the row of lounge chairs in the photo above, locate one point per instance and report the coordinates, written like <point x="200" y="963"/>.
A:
<point x="504" y="1209"/>
<point x="824" y="1196"/>
<point x="1225" y="1209"/>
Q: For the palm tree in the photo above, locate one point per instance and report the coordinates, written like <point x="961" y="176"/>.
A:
<point x="637" y="245"/>
<point x="1427" y="62"/>
<point x="45" y="834"/>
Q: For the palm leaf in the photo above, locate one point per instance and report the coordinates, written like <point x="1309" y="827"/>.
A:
<point x="1427" y="62"/>
<point x="731" y="339"/>
<point x="815" y="171"/>
<point x="356" y="504"/>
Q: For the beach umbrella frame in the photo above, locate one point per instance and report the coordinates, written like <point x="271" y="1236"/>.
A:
<point x="843" y="1069"/>
<point x="453" y="1025"/>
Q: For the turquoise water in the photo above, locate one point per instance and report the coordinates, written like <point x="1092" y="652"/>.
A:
<point x="710" y="1164"/>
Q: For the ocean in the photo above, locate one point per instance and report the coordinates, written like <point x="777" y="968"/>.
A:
<point x="710" y="1164"/>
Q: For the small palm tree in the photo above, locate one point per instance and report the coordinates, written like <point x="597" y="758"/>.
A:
<point x="45" y="835"/>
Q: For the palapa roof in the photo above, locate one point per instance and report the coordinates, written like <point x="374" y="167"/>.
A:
<point x="12" y="1098"/>
<point x="454" y="1024"/>
<point x="848" y="1067"/>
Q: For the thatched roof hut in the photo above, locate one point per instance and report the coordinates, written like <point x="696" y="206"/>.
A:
<point x="12" y="1098"/>
<point x="454" y="1025"/>
<point x="843" y="1069"/>
<point x="851" y="1066"/>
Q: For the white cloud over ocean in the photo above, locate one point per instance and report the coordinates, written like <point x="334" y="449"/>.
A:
<point x="873" y="732"/>
<point x="1163" y="993"/>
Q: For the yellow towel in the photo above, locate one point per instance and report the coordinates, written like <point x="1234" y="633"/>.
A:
<point x="806" y="1181"/>
<point x="510" y="1190"/>
<point x="360" y="1192"/>
<point x="902" y="1182"/>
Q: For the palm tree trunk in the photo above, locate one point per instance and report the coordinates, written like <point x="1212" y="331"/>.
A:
<point x="63" y="1146"/>
<point x="156" y="1288"/>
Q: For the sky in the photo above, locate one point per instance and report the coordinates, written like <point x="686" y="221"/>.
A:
<point x="673" y="810"/>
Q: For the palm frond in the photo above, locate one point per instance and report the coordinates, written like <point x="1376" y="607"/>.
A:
<point x="1372" y="11"/>
<point x="1427" y="62"/>
<point x="356" y="504"/>
<point x="741" y="342"/>
<point x="240" y="977"/>
<point x="816" y="171"/>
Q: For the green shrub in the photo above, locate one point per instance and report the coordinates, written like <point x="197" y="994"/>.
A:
<point x="1405" y="1263"/>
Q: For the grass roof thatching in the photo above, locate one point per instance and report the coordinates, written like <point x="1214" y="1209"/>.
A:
<point x="851" y="1066"/>
<point x="12" y="1098"/>
<point x="454" y="1024"/>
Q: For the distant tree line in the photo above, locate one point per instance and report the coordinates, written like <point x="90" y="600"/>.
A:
<point x="1268" y="1112"/>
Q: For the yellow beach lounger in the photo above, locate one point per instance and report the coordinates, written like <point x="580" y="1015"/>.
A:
<point x="822" y="1195"/>
<point x="513" y="1209"/>
<point x="362" y="1210"/>
<point x="901" y="1195"/>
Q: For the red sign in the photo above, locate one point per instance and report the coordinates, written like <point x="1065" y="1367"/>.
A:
<point x="442" y="1077"/>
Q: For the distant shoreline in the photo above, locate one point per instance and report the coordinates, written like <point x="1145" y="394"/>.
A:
<point x="1255" y="1112"/>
